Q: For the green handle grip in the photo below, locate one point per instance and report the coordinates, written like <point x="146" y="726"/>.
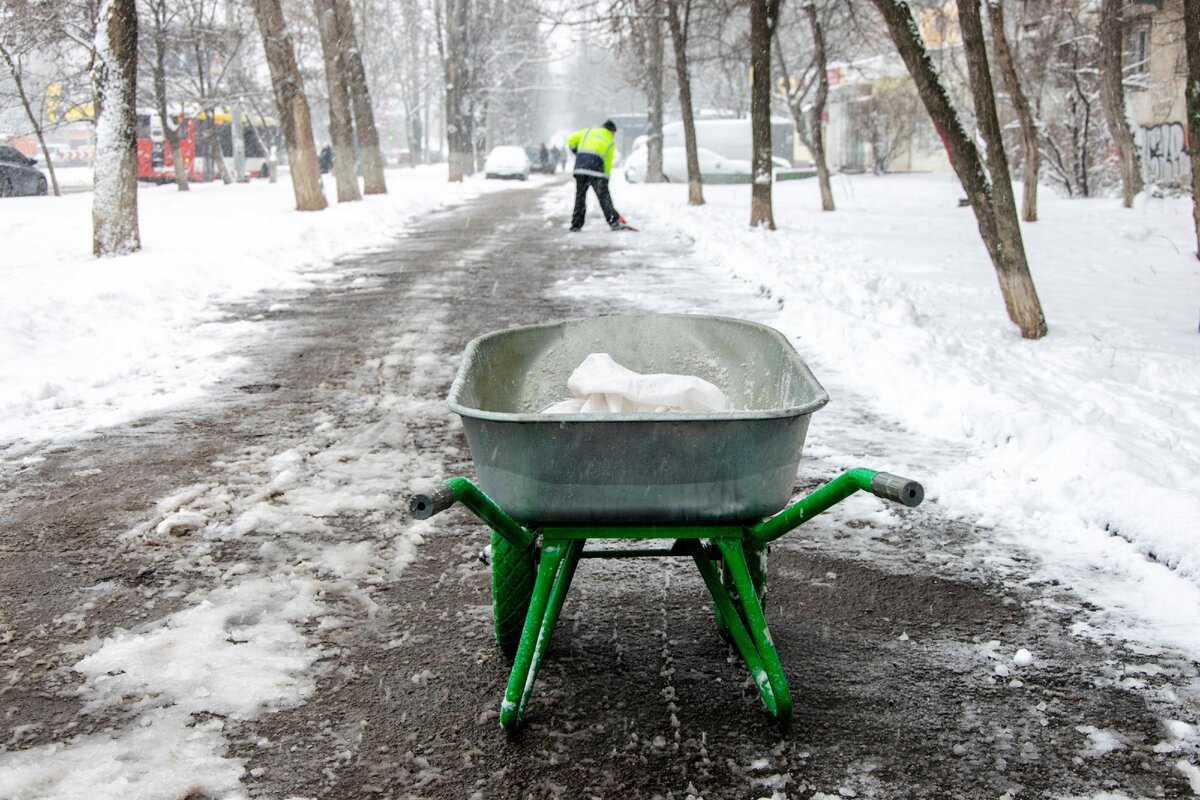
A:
<point x="880" y="484"/>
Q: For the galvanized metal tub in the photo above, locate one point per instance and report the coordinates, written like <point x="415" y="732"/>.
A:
<point x="677" y="468"/>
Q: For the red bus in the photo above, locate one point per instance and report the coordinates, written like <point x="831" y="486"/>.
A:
<point x="155" y="159"/>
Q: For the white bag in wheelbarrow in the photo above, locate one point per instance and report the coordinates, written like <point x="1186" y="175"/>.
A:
<point x="602" y="385"/>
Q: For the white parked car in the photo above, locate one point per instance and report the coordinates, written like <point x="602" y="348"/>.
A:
<point x="507" y="161"/>
<point x="714" y="168"/>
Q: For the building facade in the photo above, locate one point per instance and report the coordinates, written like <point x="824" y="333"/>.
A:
<point x="1155" y="79"/>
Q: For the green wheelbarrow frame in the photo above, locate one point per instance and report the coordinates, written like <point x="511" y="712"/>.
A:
<point x="731" y="559"/>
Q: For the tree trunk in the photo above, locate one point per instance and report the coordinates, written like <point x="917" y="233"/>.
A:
<point x="414" y="87"/>
<point x="818" y="134"/>
<point x="457" y="120"/>
<point x="159" y="77"/>
<point x="1020" y="300"/>
<point x="1020" y="103"/>
<point x="360" y="101"/>
<point x="341" y="131"/>
<point x="763" y="14"/>
<point x="294" y="117"/>
<point x="172" y="137"/>
<point x="679" y="37"/>
<point x="114" y="73"/>
<point x="1020" y="295"/>
<point x="33" y="118"/>
<point x="1112" y="98"/>
<point x="654" y="80"/>
<point x="1191" y="26"/>
<point x="216" y="156"/>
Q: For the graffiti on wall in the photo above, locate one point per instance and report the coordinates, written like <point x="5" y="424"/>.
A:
<point x="1165" y="153"/>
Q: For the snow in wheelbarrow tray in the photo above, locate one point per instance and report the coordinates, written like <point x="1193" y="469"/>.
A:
<point x="676" y="468"/>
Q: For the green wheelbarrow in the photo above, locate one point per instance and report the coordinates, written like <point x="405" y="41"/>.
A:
<point x="712" y="487"/>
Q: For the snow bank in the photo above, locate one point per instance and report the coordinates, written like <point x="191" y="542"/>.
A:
<point x="1081" y="444"/>
<point x="90" y="342"/>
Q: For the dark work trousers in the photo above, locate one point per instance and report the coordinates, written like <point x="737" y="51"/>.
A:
<point x="600" y="186"/>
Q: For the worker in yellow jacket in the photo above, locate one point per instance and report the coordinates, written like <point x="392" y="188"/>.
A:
<point x="593" y="148"/>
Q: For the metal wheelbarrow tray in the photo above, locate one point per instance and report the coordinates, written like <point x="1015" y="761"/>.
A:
<point x="709" y="483"/>
<point x="616" y="468"/>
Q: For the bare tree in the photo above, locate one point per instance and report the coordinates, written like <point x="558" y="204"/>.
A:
<point x="35" y="121"/>
<point x="161" y="18"/>
<point x="818" y="135"/>
<point x="453" y="47"/>
<point x="1191" y="26"/>
<point x="293" y="105"/>
<point x="764" y="15"/>
<point x="114" y="202"/>
<point x="679" y="17"/>
<point x="341" y="131"/>
<point x="1020" y="103"/>
<point x="640" y="25"/>
<point x="1112" y="97"/>
<point x="654" y="78"/>
<point x="360" y="100"/>
<point x="888" y="115"/>
<point x="809" y="126"/>
<point x="1066" y="86"/>
<point x="991" y="200"/>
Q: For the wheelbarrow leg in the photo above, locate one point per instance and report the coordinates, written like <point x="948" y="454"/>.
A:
<point x="735" y="562"/>
<point x="757" y="651"/>
<point x="549" y="592"/>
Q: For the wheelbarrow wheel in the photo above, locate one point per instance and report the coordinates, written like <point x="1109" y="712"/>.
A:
<point x="513" y="572"/>
<point x="756" y="560"/>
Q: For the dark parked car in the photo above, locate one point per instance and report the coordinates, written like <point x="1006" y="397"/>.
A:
<point x="18" y="175"/>
<point x="537" y="163"/>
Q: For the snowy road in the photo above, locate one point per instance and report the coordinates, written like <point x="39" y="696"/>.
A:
<point x="228" y="599"/>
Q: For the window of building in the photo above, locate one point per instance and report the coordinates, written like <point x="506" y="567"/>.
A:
<point x="1137" y="56"/>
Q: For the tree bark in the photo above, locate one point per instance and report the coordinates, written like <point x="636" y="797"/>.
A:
<point x="763" y="16"/>
<point x="1112" y="98"/>
<point x="1020" y="103"/>
<point x="457" y="118"/>
<point x="818" y="135"/>
<point x="158" y="13"/>
<point x="114" y="201"/>
<point x="1016" y="285"/>
<point x="33" y="118"/>
<point x="360" y="101"/>
<point x="1020" y="295"/>
<point x="679" y="37"/>
<point x="294" y="116"/>
<point x="341" y="130"/>
<point x="654" y="80"/>
<point x="212" y="144"/>
<point x="1191" y="27"/>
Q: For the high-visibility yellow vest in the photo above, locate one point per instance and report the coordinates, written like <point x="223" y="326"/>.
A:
<point x="593" y="151"/>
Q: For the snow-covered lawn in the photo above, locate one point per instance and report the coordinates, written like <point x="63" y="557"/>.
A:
<point x="87" y="343"/>
<point x="1084" y="446"/>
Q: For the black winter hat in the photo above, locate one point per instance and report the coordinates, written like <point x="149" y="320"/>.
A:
<point x="612" y="126"/>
